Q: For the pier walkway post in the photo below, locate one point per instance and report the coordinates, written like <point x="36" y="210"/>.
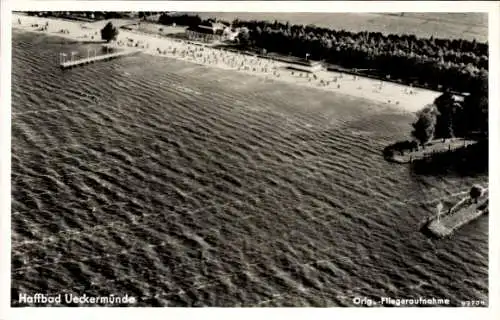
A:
<point x="90" y="59"/>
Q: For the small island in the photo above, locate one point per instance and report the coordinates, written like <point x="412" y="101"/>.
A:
<point x="409" y="151"/>
<point x="449" y="124"/>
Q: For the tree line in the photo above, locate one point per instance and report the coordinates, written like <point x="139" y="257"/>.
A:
<point x="182" y="20"/>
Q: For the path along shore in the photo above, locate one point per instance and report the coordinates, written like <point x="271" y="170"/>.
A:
<point x="402" y="97"/>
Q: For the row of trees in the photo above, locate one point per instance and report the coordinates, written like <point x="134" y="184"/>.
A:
<point x="447" y="117"/>
<point x="261" y="32"/>
<point x="182" y="20"/>
<point x="451" y="50"/>
<point x="145" y="14"/>
<point x="188" y="20"/>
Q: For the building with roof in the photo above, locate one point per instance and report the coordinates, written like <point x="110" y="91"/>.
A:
<point x="215" y="31"/>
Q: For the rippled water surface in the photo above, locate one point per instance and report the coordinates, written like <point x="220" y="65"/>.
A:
<point x="184" y="185"/>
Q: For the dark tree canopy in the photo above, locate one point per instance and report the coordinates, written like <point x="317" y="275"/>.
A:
<point x="424" y="126"/>
<point x="451" y="118"/>
<point x="475" y="192"/>
<point x="244" y="36"/>
<point x="447" y="108"/>
<point x="476" y="107"/>
<point x="182" y="20"/>
<point x="109" y="32"/>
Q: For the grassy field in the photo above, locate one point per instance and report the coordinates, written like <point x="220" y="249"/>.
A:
<point x="442" y="25"/>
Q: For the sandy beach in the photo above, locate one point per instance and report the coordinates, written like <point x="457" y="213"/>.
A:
<point x="403" y="97"/>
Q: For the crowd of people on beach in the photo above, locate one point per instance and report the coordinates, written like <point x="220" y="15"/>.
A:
<point x="244" y="62"/>
<point x="269" y="68"/>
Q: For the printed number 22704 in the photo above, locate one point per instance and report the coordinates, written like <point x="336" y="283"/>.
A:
<point x="473" y="303"/>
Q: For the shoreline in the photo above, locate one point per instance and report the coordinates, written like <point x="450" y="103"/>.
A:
<point x="388" y="93"/>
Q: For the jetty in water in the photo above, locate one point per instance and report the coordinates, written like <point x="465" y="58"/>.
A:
<point x="433" y="148"/>
<point x="65" y="64"/>
<point x="465" y="211"/>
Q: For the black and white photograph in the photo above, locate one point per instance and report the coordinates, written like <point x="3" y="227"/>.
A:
<point x="186" y="158"/>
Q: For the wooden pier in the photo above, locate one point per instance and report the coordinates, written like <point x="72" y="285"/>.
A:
<point x="446" y="224"/>
<point x="65" y="64"/>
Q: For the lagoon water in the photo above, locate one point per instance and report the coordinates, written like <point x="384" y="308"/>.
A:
<point x="183" y="185"/>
